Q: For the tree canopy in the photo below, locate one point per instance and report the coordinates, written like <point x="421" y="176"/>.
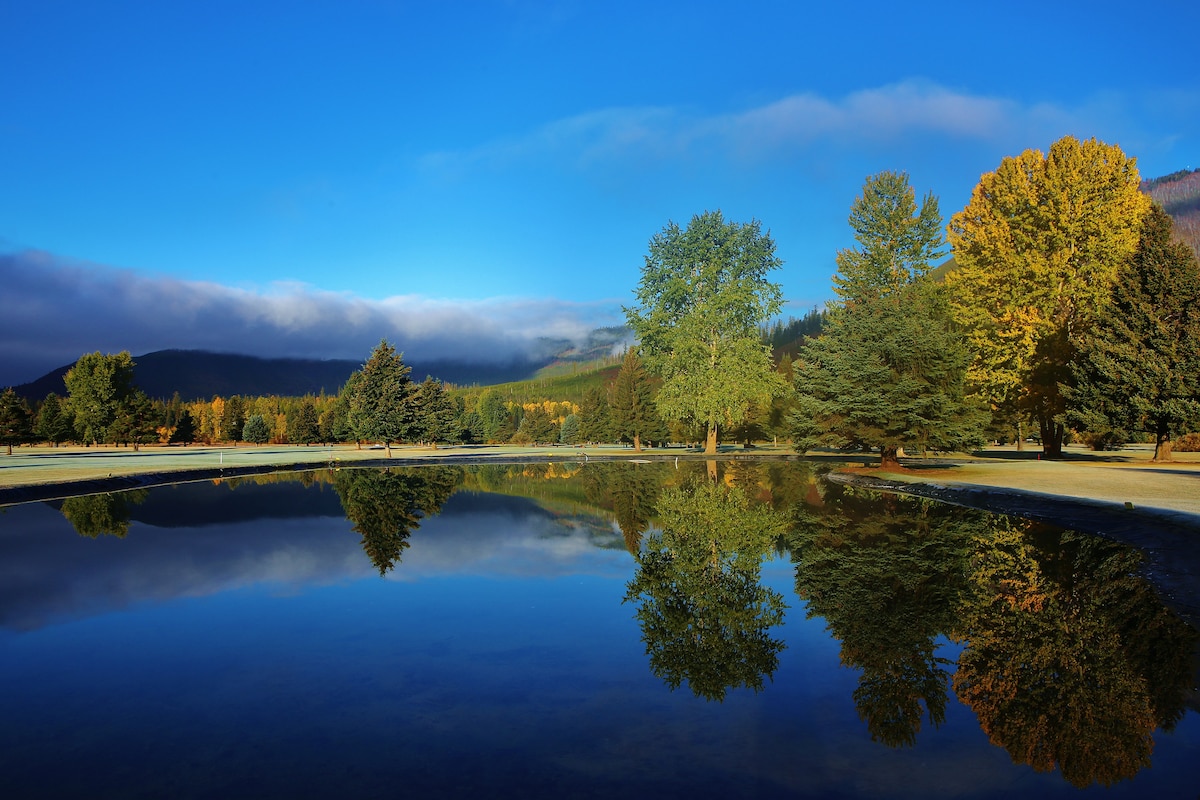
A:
<point x="96" y="385"/>
<point x="703" y="294"/>
<point x="1037" y="251"/>
<point x="897" y="242"/>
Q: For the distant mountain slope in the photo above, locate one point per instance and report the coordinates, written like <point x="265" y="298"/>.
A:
<point x="1179" y="195"/>
<point x="197" y="374"/>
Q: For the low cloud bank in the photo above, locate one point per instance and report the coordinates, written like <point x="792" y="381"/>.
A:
<point x="55" y="310"/>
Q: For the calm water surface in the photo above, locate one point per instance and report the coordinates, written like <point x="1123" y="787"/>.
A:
<point x="729" y="630"/>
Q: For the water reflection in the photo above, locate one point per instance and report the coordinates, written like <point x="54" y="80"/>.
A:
<point x="1052" y="640"/>
<point x="386" y="505"/>
<point x="102" y="514"/>
<point x="887" y="574"/>
<point x="705" y="617"/>
<point x="1071" y="659"/>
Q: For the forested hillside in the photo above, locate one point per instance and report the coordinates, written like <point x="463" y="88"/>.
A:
<point x="1179" y="195"/>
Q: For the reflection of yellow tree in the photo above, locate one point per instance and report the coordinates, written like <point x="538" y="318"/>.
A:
<point x="704" y="615"/>
<point x="96" y="514"/>
<point x="386" y="505"/>
<point x="886" y="574"/>
<point x="1071" y="660"/>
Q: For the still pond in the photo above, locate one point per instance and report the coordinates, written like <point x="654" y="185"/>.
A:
<point x="730" y="629"/>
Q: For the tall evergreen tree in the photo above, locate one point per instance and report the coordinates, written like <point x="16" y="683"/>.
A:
<point x="897" y="242"/>
<point x="595" y="417"/>
<point x="381" y="406"/>
<point x="304" y="424"/>
<point x="1140" y="369"/>
<point x="537" y="426"/>
<point x="55" y="423"/>
<point x="436" y="413"/>
<point x="16" y="420"/>
<point x="633" y="412"/>
<point x="889" y="370"/>
<point x="135" y="421"/>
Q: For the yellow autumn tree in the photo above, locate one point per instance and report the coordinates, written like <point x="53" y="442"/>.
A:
<point x="1037" y="251"/>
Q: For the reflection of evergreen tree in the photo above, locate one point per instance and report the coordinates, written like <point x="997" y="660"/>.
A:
<point x="630" y="491"/>
<point x="705" y="618"/>
<point x="387" y="505"/>
<point x="886" y="573"/>
<point x="96" y="514"/>
<point x="1072" y="661"/>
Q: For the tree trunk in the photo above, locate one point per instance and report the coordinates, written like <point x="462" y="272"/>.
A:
<point x="1052" y="437"/>
<point x="388" y="447"/>
<point x="1162" y="447"/>
<point x="889" y="458"/>
<point x="711" y="467"/>
<point x="710" y="444"/>
<point x="637" y="443"/>
<point x="1020" y="436"/>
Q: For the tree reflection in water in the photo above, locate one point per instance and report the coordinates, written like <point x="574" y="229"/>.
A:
<point x="94" y="515"/>
<point x="386" y="505"/>
<point x="704" y="615"/>
<point x="631" y="492"/>
<point x="1071" y="660"/>
<point x="886" y="573"/>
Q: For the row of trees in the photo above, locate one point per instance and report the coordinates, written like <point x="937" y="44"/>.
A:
<point x="1068" y="304"/>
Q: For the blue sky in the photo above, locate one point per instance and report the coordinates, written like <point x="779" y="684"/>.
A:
<point x="305" y="178"/>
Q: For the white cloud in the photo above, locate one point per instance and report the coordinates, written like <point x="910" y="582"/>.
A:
<point x="787" y="125"/>
<point x="56" y="310"/>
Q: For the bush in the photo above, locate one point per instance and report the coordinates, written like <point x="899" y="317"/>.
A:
<point x="1188" y="443"/>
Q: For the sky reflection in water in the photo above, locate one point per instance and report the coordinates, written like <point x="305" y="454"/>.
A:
<point x="239" y="640"/>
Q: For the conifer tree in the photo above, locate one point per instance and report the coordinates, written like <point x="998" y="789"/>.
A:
<point x="633" y="412"/>
<point x="889" y="369"/>
<point x="16" y="420"/>
<point x="436" y="414"/>
<point x="381" y="406"/>
<point x="1140" y="369"/>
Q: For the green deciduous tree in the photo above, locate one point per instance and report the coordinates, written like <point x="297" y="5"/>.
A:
<point x="1140" y="369"/>
<point x="16" y="420"/>
<point x="381" y="406"/>
<point x="703" y="294"/>
<point x="96" y="384"/>
<point x="1038" y="249"/>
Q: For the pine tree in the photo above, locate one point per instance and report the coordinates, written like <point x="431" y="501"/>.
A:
<point x="1140" y="369"/>
<point x="889" y="369"/>
<point x="381" y="406"/>
<point x="633" y="412"/>
<point x="256" y="430"/>
<point x="16" y="420"/>
<point x="436" y="414"/>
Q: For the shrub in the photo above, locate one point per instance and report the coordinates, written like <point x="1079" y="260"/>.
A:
<point x="1188" y="443"/>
